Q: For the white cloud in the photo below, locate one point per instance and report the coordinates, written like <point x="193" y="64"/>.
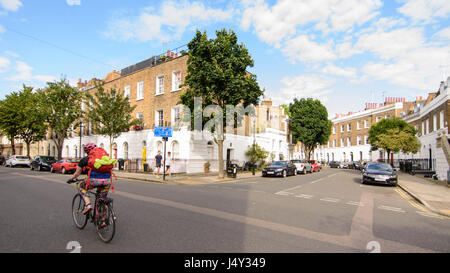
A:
<point x="23" y="74"/>
<point x="2" y="29"/>
<point x="73" y="2"/>
<point x="425" y="10"/>
<point x="443" y="34"/>
<point x="348" y="72"/>
<point x="279" y="22"/>
<point x="4" y="64"/>
<point x="304" y="86"/>
<point x="10" y="5"/>
<point x="301" y="48"/>
<point x="167" y="23"/>
<point x="391" y="44"/>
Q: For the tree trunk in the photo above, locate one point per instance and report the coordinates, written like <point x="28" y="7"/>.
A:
<point x="28" y="148"/>
<point x="220" y="147"/>
<point x="13" y="147"/>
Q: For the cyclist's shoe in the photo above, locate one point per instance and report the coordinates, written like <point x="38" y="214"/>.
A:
<point x="102" y="224"/>
<point x="87" y="208"/>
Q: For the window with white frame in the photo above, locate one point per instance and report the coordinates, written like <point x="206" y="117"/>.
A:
<point x="160" y="85"/>
<point x="359" y="140"/>
<point x="342" y="142"/>
<point x="423" y="128"/>
<point x="366" y="139"/>
<point x="159" y="118"/>
<point x="175" y="116"/>
<point x="366" y="124"/>
<point x="349" y="142"/>
<point x="441" y="119"/>
<point x="435" y="123"/>
<point x="379" y="118"/>
<point x="126" y="91"/>
<point x="334" y="130"/>
<point x="140" y="91"/>
<point x="342" y="128"/>
<point x="176" y="80"/>
<point x="427" y="126"/>
<point x="349" y="127"/>
<point x="140" y="116"/>
<point x="358" y="125"/>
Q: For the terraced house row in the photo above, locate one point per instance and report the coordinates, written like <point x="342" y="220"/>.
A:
<point x="430" y="116"/>
<point x="153" y="86"/>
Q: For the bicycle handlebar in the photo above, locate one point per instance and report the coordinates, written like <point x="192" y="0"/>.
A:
<point x="71" y="181"/>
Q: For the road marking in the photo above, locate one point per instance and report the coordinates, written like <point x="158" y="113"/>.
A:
<point x="306" y="196"/>
<point x="429" y="215"/>
<point x="353" y="203"/>
<point x="327" y="199"/>
<point x="391" y="208"/>
<point x="283" y="193"/>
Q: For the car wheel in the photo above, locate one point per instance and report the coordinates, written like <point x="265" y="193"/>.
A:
<point x="39" y="168"/>
<point x="284" y="173"/>
<point x="362" y="181"/>
<point x="295" y="172"/>
<point x="63" y="170"/>
<point x="52" y="170"/>
<point x="304" y="171"/>
<point x="31" y="168"/>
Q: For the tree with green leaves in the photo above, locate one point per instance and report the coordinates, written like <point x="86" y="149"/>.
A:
<point x="309" y="123"/>
<point x="110" y="113"/>
<point x="394" y="135"/>
<point x="61" y="104"/>
<point x="256" y="153"/>
<point x="10" y="123"/>
<point x="32" y="117"/>
<point x="217" y="73"/>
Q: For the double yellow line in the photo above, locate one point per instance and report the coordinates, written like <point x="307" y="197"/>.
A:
<point x="415" y="204"/>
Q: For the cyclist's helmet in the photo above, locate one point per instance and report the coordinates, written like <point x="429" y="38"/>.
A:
<point x="89" y="147"/>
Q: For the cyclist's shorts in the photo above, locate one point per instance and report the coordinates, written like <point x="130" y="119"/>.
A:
<point x="102" y="186"/>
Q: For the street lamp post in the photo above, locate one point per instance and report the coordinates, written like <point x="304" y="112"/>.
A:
<point x="81" y="133"/>
<point x="254" y="147"/>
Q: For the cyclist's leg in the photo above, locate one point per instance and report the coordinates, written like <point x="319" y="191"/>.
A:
<point x="85" y="193"/>
<point x="103" y="187"/>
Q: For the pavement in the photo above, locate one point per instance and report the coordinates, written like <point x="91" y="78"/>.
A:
<point x="435" y="197"/>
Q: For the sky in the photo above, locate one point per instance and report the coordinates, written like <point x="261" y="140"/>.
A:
<point x="343" y="52"/>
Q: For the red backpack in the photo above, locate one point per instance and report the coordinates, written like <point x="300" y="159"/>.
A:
<point x="98" y="153"/>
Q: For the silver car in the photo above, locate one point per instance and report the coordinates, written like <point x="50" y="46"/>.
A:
<point x="302" y="166"/>
<point x="17" y="160"/>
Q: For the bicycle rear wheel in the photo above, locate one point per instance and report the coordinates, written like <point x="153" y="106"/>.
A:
<point x="105" y="221"/>
<point x="79" y="218"/>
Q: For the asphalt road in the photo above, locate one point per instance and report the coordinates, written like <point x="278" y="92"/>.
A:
<point x="329" y="211"/>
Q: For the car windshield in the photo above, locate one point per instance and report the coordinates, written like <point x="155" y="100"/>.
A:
<point x="380" y="167"/>
<point x="296" y="161"/>
<point x="21" y="157"/>
<point x="72" y="160"/>
<point x="48" y="158"/>
<point x="279" y="163"/>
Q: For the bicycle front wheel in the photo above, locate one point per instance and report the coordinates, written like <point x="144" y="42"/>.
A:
<point x="105" y="222"/>
<point x="79" y="218"/>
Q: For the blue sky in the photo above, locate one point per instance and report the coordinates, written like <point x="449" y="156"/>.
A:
<point x="345" y="52"/>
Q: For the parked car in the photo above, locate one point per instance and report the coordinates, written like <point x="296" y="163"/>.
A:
<point x="343" y="165"/>
<point x="356" y="165"/>
<point x="334" y="164"/>
<point x="65" y="165"/>
<point x="302" y="166"/>
<point x="280" y="168"/>
<point x="380" y="173"/>
<point x="316" y="166"/>
<point x="42" y="163"/>
<point x="2" y="160"/>
<point x="17" y="160"/>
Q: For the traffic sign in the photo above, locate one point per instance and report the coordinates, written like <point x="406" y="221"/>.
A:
<point x="163" y="131"/>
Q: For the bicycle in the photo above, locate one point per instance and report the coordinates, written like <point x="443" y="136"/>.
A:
<point x="103" y="208"/>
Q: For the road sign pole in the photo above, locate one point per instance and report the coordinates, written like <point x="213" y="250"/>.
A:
<point x="164" y="165"/>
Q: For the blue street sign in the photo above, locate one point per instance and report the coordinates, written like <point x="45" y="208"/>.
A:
<point x="163" y="131"/>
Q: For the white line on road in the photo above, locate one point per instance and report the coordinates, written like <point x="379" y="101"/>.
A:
<point x="283" y="193"/>
<point x="353" y="203"/>
<point x="306" y="196"/>
<point x="429" y="215"/>
<point x="391" y="208"/>
<point x="327" y="199"/>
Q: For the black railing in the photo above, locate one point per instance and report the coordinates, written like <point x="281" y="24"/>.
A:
<point x="417" y="165"/>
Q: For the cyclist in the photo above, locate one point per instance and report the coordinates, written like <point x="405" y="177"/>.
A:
<point x="100" y="181"/>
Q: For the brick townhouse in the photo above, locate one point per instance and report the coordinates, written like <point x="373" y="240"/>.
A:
<point x="153" y="86"/>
